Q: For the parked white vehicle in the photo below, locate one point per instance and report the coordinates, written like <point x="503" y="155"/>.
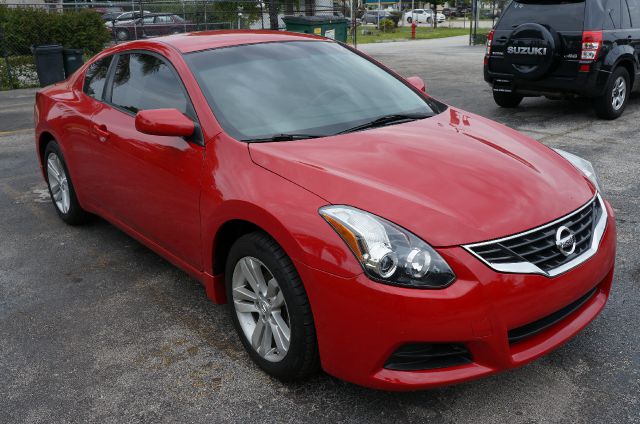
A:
<point x="422" y="16"/>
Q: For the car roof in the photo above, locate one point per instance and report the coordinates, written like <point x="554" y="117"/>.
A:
<point x="205" y="40"/>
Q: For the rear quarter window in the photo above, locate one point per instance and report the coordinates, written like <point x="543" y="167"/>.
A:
<point x="555" y="14"/>
<point x="95" y="77"/>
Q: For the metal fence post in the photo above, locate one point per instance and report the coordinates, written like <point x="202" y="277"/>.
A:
<point x="5" y="54"/>
<point x="206" y="21"/>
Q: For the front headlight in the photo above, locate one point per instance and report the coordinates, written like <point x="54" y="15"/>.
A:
<point x="582" y="165"/>
<point x="387" y="252"/>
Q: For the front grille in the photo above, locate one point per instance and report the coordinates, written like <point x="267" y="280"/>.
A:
<point x="538" y="247"/>
<point x="428" y="356"/>
<point x="531" y="329"/>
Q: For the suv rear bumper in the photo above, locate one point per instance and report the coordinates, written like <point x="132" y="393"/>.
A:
<point x="584" y="84"/>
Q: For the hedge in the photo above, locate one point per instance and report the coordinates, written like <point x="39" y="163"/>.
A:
<point x="23" y="28"/>
<point x="21" y="74"/>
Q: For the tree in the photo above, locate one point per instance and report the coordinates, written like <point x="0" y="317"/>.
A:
<point x="273" y="7"/>
<point x="434" y="5"/>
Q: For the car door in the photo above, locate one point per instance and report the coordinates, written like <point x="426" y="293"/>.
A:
<point x="79" y="149"/>
<point x="163" y="25"/>
<point x="146" y="26"/>
<point x="150" y="183"/>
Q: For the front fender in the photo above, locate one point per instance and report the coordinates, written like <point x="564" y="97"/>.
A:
<point x="237" y="189"/>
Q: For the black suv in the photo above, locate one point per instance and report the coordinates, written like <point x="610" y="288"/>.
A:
<point x="566" y="48"/>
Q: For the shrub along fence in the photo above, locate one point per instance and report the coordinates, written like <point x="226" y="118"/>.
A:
<point x="92" y="26"/>
<point x="21" y="28"/>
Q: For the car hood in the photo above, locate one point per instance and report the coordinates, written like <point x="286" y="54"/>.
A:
<point x="452" y="179"/>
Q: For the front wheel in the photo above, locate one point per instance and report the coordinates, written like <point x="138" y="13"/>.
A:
<point x="270" y="309"/>
<point x="507" y="100"/>
<point x="409" y="20"/>
<point x="614" y="101"/>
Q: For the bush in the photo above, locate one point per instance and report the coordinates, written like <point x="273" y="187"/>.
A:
<point x="23" y="28"/>
<point x="387" y="25"/>
<point x="396" y="17"/>
<point x="22" y="73"/>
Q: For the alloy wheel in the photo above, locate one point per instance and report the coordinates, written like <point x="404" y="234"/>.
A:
<point x="619" y="93"/>
<point x="58" y="183"/>
<point x="261" y="309"/>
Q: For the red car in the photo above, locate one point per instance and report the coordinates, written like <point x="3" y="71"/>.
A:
<point x="394" y="241"/>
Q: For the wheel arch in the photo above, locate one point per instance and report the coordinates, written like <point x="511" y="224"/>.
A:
<point x="227" y="234"/>
<point x="238" y="218"/>
<point x="43" y="140"/>
<point x="627" y="62"/>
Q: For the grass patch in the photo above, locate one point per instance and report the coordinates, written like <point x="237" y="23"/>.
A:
<point x="404" y="33"/>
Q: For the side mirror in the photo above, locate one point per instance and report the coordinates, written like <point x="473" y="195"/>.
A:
<point x="165" y="122"/>
<point x="417" y="83"/>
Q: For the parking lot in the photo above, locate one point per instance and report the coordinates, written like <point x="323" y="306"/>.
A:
<point x="94" y="327"/>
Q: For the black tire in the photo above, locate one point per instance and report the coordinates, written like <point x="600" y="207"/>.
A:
<point x="302" y="358"/>
<point x="409" y="20"/>
<point x="507" y="100"/>
<point x="603" y="105"/>
<point x="75" y="215"/>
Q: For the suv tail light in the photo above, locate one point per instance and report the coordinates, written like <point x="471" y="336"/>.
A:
<point x="489" y="42"/>
<point x="591" y="45"/>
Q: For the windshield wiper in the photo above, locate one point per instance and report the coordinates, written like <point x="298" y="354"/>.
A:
<point x="284" y="137"/>
<point x="388" y="120"/>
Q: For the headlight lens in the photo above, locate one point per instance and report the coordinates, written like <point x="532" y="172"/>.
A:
<point x="387" y="252"/>
<point x="583" y="166"/>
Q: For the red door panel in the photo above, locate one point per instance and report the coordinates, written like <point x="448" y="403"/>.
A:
<point x="151" y="183"/>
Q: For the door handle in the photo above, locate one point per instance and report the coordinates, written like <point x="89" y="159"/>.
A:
<point x="101" y="131"/>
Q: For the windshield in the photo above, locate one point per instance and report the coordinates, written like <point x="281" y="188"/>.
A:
<point x="319" y="88"/>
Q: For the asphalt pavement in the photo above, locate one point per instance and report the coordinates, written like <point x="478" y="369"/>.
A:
<point x="94" y="327"/>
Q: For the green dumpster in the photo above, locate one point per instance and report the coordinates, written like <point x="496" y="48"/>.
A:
<point x="333" y="27"/>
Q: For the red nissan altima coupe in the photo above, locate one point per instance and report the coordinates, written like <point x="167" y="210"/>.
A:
<point x="351" y="221"/>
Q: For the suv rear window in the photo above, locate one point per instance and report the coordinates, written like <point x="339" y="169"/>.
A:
<point x="559" y="15"/>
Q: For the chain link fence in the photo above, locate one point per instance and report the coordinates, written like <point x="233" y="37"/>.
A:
<point x="93" y="26"/>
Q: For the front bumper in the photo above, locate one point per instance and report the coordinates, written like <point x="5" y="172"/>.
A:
<point x="360" y="323"/>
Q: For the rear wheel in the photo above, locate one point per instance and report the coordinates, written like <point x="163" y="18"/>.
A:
<point x="270" y="308"/>
<point x="61" y="190"/>
<point x="122" y="35"/>
<point x="507" y="100"/>
<point x="616" y="95"/>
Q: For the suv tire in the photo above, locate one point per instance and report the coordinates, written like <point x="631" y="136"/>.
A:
<point x="507" y="100"/>
<point x="616" y="95"/>
<point x="258" y="255"/>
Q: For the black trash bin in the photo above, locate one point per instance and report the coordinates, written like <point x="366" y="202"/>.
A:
<point x="49" y="63"/>
<point x="73" y="59"/>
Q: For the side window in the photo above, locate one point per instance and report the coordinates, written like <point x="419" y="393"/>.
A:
<point x="612" y="16"/>
<point x="163" y="19"/>
<point x="142" y="81"/>
<point x="634" y="10"/>
<point x="147" y="20"/>
<point x="95" y="77"/>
